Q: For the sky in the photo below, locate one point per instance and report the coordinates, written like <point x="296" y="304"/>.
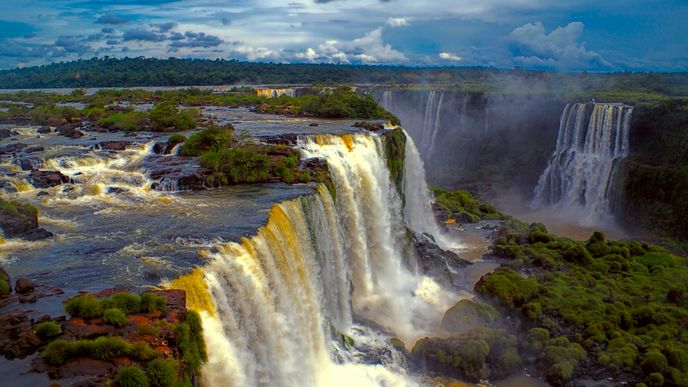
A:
<point x="572" y="35"/>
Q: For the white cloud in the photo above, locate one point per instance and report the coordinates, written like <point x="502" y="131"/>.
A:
<point x="449" y="56"/>
<point x="396" y="22"/>
<point x="367" y="49"/>
<point x="531" y="45"/>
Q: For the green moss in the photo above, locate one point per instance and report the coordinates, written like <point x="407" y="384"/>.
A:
<point x="115" y="317"/>
<point x="126" y="302"/>
<point x="131" y="377"/>
<point x="190" y="343"/>
<point x="654" y="361"/>
<point x="656" y="379"/>
<point x="461" y="204"/>
<point x="150" y="302"/>
<point x="395" y="153"/>
<point x="48" y="329"/>
<point x="163" y="373"/>
<point x="102" y="348"/>
<point x="5" y="285"/>
<point x="85" y="306"/>
<point x="508" y="286"/>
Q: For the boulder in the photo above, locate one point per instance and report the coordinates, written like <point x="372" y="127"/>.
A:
<point x="69" y="131"/>
<point x="17" y="219"/>
<point x="443" y="265"/>
<point x="114" y="145"/>
<point x="24" y="286"/>
<point x="468" y="314"/>
<point x="9" y="149"/>
<point x="30" y="163"/>
<point x="44" y="130"/>
<point x="37" y="234"/>
<point x="5" y="133"/>
<point x="5" y="283"/>
<point x="17" y="339"/>
<point x="282" y="139"/>
<point x="371" y="126"/>
<point x="32" y="149"/>
<point x="47" y="179"/>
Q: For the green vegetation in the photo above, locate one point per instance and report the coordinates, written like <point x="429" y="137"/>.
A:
<point x="341" y="102"/>
<point x="131" y="377"/>
<point x="463" y="206"/>
<point x="101" y="348"/>
<point x="163" y="373"/>
<point x="616" y="306"/>
<point x="190" y="343"/>
<point x="48" y="329"/>
<point x="166" y="116"/>
<point x="395" y="153"/>
<point x="115" y="317"/>
<point x="5" y="285"/>
<point x="129" y="121"/>
<point x="212" y="138"/>
<point x="88" y="307"/>
<point x="655" y="177"/>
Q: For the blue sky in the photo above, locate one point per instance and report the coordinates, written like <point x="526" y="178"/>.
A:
<point x="573" y="35"/>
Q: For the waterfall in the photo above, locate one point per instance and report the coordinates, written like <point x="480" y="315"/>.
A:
<point x="592" y="140"/>
<point x="431" y="120"/>
<point x="387" y="100"/>
<point x="320" y="265"/>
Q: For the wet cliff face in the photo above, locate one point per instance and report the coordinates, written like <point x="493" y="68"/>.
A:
<point x="494" y="144"/>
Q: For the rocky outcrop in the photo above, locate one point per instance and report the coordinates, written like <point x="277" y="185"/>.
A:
<point x="173" y="173"/>
<point x="114" y="145"/>
<point x="19" y="220"/>
<point x="47" y="179"/>
<point x="9" y="149"/>
<point x="44" y="130"/>
<point x="69" y="131"/>
<point x="6" y="133"/>
<point x="443" y="265"/>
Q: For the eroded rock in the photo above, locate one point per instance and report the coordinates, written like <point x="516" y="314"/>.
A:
<point x="47" y="179"/>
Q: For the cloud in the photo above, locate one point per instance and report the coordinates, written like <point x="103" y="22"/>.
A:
<point x="196" y="39"/>
<point x="73" y="44"/>
<point x="367" y="49"/>
<point x="164" y="27"/>
<point x="112" y="19"/>
<point x="449" y="56"/>
<point x="143" y="35"/>
<point x="531" y="45"/>
<point x="396" y="22"/>
<point x="107" y="30"/>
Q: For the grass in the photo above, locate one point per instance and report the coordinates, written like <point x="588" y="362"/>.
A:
<point x="115" y="317"/>
<point x="101" y="348"/>
<point x="48" y="329"/>
<point x="88" y="307"/>
<point x="131" y="377"/>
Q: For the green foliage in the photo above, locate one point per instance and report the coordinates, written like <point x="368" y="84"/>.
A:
<point x="395" y="153"/>
<point x="163" y="373"/>
<point x="128" y="121"/>
<point x="5" y="285"/>
<point x="245" y="164"/>
<point x="126" y="302"/>
<point x="115" y="317"/>
<point x="166" y="116"/>
<point x="508" y="286"/>
<point x="150" y="302"/>
<point x="85" y="306"/>
<point x="131" y="377"/>
<point x="175" y="139"/>
<point x="461" y="204"/>
<point x="102" y="348"/>
<point x="190" y="343"/>
<point x="48" y="329"/>
<point x="213" y="138"/>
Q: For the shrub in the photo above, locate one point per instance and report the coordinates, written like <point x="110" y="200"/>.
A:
<point x="151" y="302"/>
<point x="127" y="302"/>
<point x="508" y="286"/>
<point x="656" y="379"/>
<point x="654" y="361"/>
<point x="131" y="377"/>
<point x="163" y="373"/>
<point x="211" y="138"/>
<point x="115" y="317"/>
<point x="85" y="306"/>
<point x="102" y="348"/>
<point x="190" y="342"/>
<point x="168" y="116"/>
<point x="48" y="329"/>
<point x="127" y="121"/>
<point x="175" y="139"/>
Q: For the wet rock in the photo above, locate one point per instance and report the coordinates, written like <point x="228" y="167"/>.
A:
<point x="37" y="234"/>
<point x="84" y="366"/>
<point x="367" y="125"/>
<point x="44" y="130"/>
<point x="114" y="145"/>
<point x="9" y="149"/>
<point x="69" y="131"/>
<point x="32" y="149"/>
<point x="43" y="193"/>
<point x="5" y="133"/>
<point x="116" y="190"/>
<point x="24" y="285"/>
<point x="160" y="147"/>
<point x="173" y="173"/>
<point x="468" y="314"/>
<point x="47" y="179"/>
<point x="440" y="264"/>
<point x="176" y="304"/>
<point x="18" y="220"/>
<point x="28" y="164"/>
<point x="313" y="125"/>
<point x="282" y="139"/>
<point x="17" y="339"/>
<point x="7" y="186"/>
<point x="315" y="164"/>
<point x="5" y="283"/>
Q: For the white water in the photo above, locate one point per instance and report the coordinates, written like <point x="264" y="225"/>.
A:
<point x="321" y="263"/>
<point x="581" y="174"/>
<point x="431" y="120"/>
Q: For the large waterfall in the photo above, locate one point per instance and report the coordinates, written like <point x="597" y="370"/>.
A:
<point x="321" y="267"/>
<point x="581" y="174"/>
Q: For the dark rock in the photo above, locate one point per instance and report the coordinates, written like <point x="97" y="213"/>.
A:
<point x="313" y="125"/>
<point x="160" y="147"/>
<point x="114" y="145"/>
<point x="69" y="131"/>
<point x="173" y="173"/>
<point x="44" y="130"/>
<point x="28" y="164"/>
<point x="37" y="234"/>
<point x="84" y="366"/>
<point x="5" y="283"/>
<point x="43" y="193"/>
<point x="282" y="139"/>
<point x="32" y="149"/>
<point x="315" y="164"/>
<point x="176" y="303"/>
<point x="372" y="126"/>
<point x="7" y="186"/>
<point x="47" y="179"/>
<point x="116" y="190"/>
<point x="24" y="285"/>
<point x="9" y="149"/>
<point x="440" y="264"/>
<point x="17" y="339"/>
<point x="5" y="133"/>
<point x="18" y="221"/>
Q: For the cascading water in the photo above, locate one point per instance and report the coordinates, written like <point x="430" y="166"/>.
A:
<point x="387" y="100"/>
<point x="317" y="267"/>
<point x="592" y="141"/>
<point x="431" y="120"/>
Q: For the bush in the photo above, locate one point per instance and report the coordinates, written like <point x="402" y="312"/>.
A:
<point x="151" y="303"/>
<point x="48" y="329"/>
<point x="131" y="377"/>
<point x="102" y="348"/>
<point x="190" y="342"/>
<point x="127" y="121"/>
<point x="85" y="306"/>
<point x="654" y="361"/>
<point x="508" y="286"/>
<point x="167" y="116"/>
<point x="115" y="317"/>
<point x="127" y="302"/>
<point x="211" y="138"/>
<point x="163" y="373"/>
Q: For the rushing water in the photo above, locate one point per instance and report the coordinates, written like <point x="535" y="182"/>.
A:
<point x="320" y="267"/>
<point x="581" y="174"/>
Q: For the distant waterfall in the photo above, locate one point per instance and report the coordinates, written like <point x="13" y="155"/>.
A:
<point x="592" y="140"/>
<point x="318" y="265"/>
<point x="431" y="120"/>
<point x="387" y="100"/>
